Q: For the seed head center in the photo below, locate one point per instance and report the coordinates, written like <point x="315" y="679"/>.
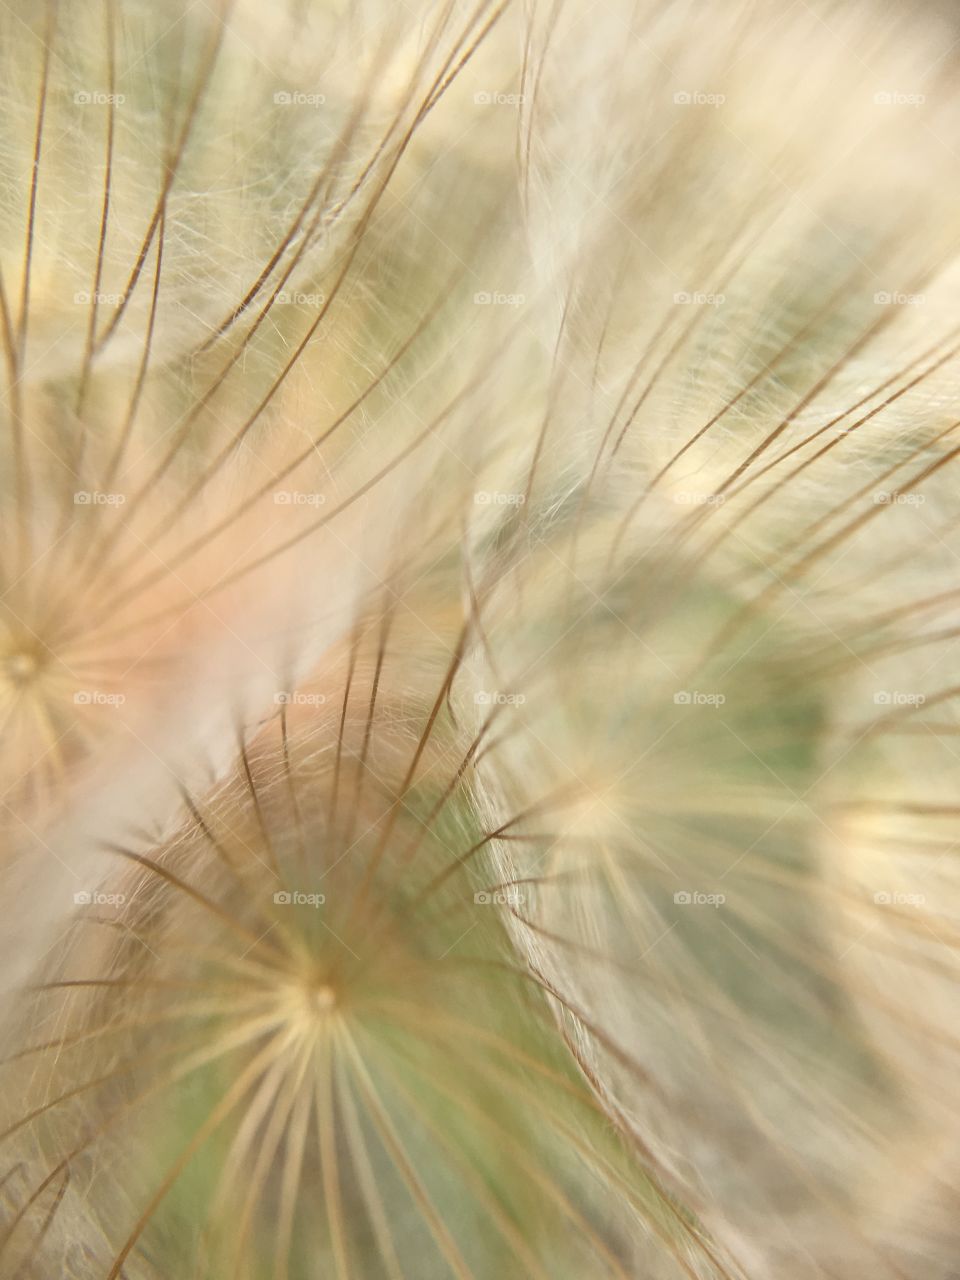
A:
<point x="21" y="667"/>
<point x="322" y="998"/>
